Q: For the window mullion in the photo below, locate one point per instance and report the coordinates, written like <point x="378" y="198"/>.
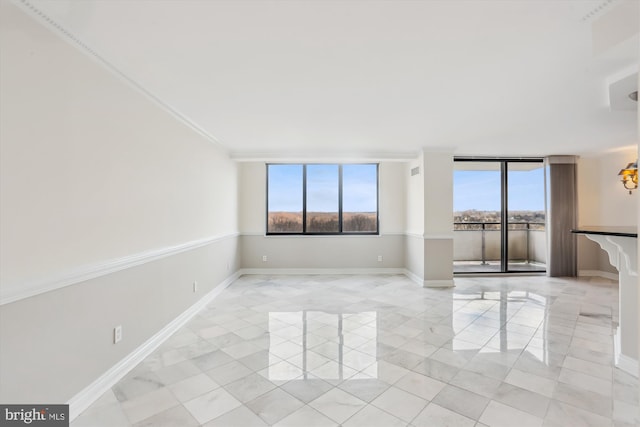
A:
<point x="287" y="222"/>
<point x="304" y="199"/>
<point x="340" y="199"/>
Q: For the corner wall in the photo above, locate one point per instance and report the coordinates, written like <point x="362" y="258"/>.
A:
<point x="429" y="244"/>
<point x="414" y="245"/>
<point x="110" y="209"/>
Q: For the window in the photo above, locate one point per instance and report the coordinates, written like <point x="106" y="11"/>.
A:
<point x="322" y="199"/>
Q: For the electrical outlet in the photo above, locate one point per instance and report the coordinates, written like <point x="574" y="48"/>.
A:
<point x="195" y="286"/>
<point x="264" y="258"/>
<point x="379" y="258"/>
<point x="117" y="334"/>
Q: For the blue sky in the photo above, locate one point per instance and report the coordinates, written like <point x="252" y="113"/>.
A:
<point x="359" y="188"/>
<point x="322" y="188"/>
<point x="480" y="190"/>
<point x="285" y="188"/>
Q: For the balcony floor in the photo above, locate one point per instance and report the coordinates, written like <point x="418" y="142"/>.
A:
<point x="494" y="267"/>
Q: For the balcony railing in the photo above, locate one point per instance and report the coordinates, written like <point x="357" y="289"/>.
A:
<point x="481" y="242"/>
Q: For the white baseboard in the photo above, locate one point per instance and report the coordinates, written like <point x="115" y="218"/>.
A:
<point x="627" y="364"/>
<point x="598" y="273"/>
<point x="624" y="363"/>
<point x="294" y="271"/>
<point x="81" y="401"/>
<point x="414" y="277"/>
<point x="438" y="283"/>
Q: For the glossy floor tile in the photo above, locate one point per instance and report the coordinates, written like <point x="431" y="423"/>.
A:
<point x="359" y="350"/>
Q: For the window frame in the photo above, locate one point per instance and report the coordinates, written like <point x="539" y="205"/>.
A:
<point x="340" y="231"/>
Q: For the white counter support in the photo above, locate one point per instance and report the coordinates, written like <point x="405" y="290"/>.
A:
<point x="623" y="254"/>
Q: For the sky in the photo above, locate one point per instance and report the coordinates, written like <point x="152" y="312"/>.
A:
<point x="359" y="188"/>
<point x="480" y="190"/>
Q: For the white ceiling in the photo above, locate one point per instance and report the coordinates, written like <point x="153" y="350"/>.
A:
<point x="370" y="78"/>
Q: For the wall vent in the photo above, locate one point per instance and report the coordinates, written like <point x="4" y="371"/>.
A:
<point x="598" y="10"/>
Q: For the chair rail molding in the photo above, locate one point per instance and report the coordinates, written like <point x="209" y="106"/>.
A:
<point x="20" y="290"/>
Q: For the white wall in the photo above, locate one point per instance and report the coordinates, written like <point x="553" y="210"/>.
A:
<point x="322" y="252"/>
<point x="602" y="200"/>
<point x="414" y="245"/>
<point x="415" y="197"/>
<point x="93" y="172"/>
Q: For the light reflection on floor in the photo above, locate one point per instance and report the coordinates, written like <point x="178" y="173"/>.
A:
<point x="486" y="311"/>
<point x="333" y="334"/>
<point x="362" y="350"/>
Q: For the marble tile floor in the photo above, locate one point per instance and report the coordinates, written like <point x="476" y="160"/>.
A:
<point x="362" y="350"/>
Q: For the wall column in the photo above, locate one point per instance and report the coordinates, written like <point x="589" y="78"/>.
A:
<point x="438" y="218"/>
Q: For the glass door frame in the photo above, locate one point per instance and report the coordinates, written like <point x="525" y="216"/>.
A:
<point x="504" y="206"/>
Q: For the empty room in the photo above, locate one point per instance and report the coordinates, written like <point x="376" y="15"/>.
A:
<point x="319" y="213"/>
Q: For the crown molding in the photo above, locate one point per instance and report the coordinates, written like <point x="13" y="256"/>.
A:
<point x="316" y="157"/>
<point x="87" y="50"/>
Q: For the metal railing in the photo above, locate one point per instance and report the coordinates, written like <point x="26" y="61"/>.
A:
<point x="495" y="226"/>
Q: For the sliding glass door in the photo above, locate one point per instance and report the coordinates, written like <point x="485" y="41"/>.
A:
<point x="499" y="216"/>
<point x="477" y="201"/>
<point x="526" y="216"/>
